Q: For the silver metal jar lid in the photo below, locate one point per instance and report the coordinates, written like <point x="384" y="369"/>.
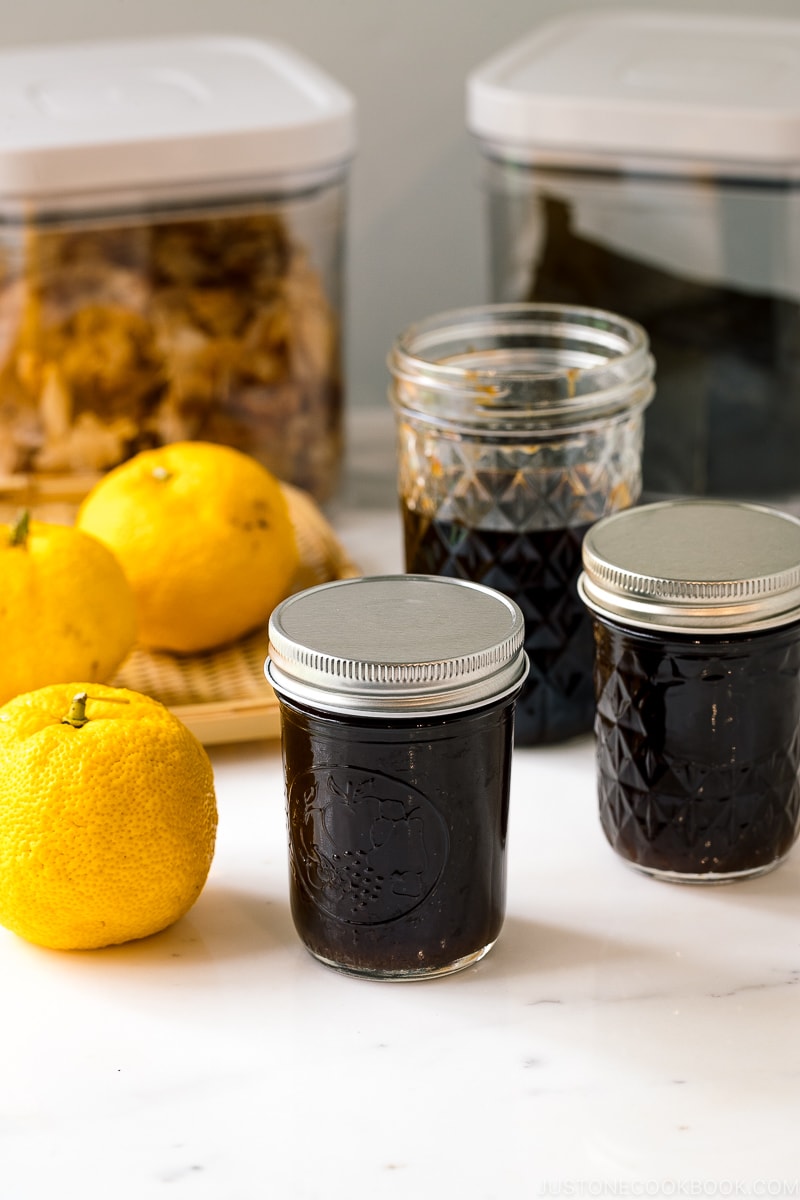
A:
<point x="403" y="645"/>
<point x="694" y="565"/>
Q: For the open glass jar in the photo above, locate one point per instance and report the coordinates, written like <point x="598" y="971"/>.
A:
<point x="397" y="707"/>
<point x="518" y="426"/>
<point x="696" y="607"/>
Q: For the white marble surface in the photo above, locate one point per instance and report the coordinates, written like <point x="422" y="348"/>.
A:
<point x="624" y="1037"/>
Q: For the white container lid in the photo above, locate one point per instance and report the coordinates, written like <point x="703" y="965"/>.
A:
<point x="150" y="113"/>
<point x="621" y="83"/>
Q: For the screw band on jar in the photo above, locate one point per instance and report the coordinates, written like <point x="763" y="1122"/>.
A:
<point x="432" y="645"/>
<point x="695" y="565"/>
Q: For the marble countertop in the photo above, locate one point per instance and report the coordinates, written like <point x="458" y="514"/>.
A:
<point x="623" y="1038"/>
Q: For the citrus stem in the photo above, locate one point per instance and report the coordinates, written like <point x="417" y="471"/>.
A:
<point x="76" y="717"/>
<point x="20" y="529"/>
<point x="161" y="473"/>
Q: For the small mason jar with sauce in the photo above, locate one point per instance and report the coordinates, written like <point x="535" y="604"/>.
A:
<point x="518" y="425"/>
<point x="696" y="607"/>
<point x="397" y="702"/>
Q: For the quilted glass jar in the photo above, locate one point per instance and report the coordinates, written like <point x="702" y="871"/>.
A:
<point x="518" y="426"/>
<point x="696" y="609"/>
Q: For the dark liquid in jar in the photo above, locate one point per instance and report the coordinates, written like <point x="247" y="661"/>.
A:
<point x="397" y="837"/>
<point x="539" y="570"/>
<point x="698" y="748"/>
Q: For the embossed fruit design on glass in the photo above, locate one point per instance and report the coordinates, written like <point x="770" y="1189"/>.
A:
<point x="696" y="610"/>
<point x="518" y="426"/>
<point x="397" y="699"/>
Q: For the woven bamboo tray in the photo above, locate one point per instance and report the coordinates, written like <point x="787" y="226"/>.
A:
<point x="222" y="696"/>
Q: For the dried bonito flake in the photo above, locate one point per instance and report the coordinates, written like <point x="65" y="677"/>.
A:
<point x="120" y="337"/>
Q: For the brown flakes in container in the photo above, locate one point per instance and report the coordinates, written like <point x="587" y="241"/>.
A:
<point x="116" y="338"/>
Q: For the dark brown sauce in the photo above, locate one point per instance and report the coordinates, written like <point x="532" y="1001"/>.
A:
<point x="725" y="422"/>
<point x="539" y="570"/>
<point x="397" y="834"/>
<point x="698" y="748"/>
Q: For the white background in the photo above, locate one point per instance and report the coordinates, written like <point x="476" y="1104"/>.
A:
<point x="416" y="236"/>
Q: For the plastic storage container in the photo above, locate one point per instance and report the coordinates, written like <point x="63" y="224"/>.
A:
<point x="650" y="163"/>
<point x="172" y="220"/>
<point x="696" y="607"/>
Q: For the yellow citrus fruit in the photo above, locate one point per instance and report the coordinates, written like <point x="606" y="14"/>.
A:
<point x="204" y="536"/>
<point x="65" y="604"/>
<point x="107" y="825"/>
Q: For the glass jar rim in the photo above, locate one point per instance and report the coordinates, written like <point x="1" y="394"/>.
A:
<point x="522" y="362"/>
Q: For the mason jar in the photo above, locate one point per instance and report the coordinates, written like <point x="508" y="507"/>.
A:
<point x="696" y="607"/>
<point x="397" y="707"/>
<point x="518" y="426"/>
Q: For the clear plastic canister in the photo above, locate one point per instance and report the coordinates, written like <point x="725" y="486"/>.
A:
<point x="174" y="273"/>
<point x="650" y="163"/>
